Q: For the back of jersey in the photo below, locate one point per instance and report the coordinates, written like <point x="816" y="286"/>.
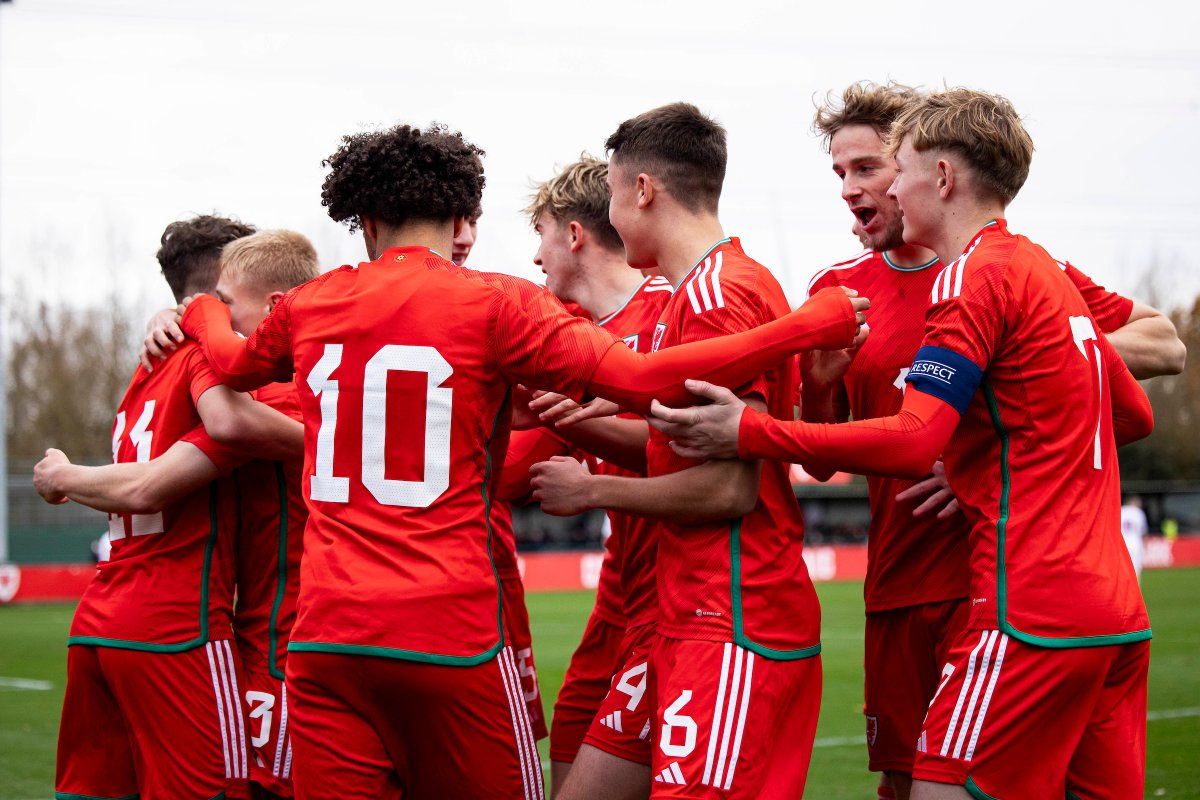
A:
<point x="404" y="366"/>
<point x="1033" y="461"/>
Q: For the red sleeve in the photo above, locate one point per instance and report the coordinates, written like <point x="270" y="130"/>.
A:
<point x="632" y="380"/>
<point x="225" y="457"/>
<point x="538" y="342"/>
<point x="200" y="375"/>
<point x="969" y="304"/>
<point x="902" y="446"/>
<point x="1132" y="416"/>
<point x="742" y="310"/>
<point x="1110" y="310"/>
<point x="526" y="448"/>
<point x="242" y="364"/>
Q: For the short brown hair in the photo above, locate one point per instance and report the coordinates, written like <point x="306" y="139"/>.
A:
<point x="984" y="129"/>
<point x="685" y="148"/>
<point x="863" y="103"/>
<point x="274" y="260"/>
<point x="191" y="251"/>
<point x="579" y="192"/>
<point x="403" y="173"/>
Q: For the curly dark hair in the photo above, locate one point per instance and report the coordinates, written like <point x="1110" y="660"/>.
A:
<point x="190" y="254"/>
<point x="403" y="173"/>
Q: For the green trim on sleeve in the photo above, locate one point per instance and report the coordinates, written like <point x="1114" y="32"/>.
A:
<point x="974" y="790"/>
<point x="1001" y="565"/>
<point x="179" y="647"/>
<point x="739" y="624"/>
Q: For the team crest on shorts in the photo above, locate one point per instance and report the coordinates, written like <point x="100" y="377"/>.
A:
<point x="872" y="730"/>
<point x="659" y="330"/>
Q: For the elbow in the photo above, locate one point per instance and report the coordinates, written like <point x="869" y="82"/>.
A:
<point x="1175" y="358"/>
<point x="914" y="463"/>
<point x="144" y="497"/>
<point x="224" y="428"/>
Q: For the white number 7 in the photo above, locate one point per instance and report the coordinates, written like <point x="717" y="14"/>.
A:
<point x="1083" y="331"/>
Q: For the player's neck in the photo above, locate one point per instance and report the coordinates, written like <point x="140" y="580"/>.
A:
<point x="684" y="242"/>
<point x="437" y="236"/>
<point x="909" y="256"/>
<point x="960" y="226"/>
<point x="611" y="282"/>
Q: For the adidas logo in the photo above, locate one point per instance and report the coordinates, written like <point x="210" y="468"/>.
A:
<point x="671" y="774"/>
<point x="613" y="721"/>
<point x="645" y="731"/>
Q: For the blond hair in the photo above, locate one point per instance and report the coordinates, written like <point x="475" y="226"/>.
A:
<point x="863" y="103"/>
<point x="273" y="260"/>
<point x="984" y="129"/>
<point x="579" y="192"/>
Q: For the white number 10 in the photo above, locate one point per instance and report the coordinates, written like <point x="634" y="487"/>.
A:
<point x="330" y="488"/>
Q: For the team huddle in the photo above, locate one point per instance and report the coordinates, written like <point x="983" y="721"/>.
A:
<point x="314" y="588"/>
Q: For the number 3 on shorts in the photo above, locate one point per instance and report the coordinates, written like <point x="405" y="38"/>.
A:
<point x="672" y="719"/>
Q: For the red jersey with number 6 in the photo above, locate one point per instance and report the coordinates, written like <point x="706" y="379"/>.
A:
<point x="739" y="580"/>
<point x="404" y="366"/>
<point x="168" y="586"/>
<point x="1033" y="461"/>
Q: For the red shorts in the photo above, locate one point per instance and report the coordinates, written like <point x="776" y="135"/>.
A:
<point x="266" y="700"/>
<point x="730" y="723"/>
<point x="1013" y="720"/>
<point x="622" y="723"/>
<point x="588" y="678"/>
<point x="366" y="726"/>
<point x="518" y="636"/>
<point x="905" y="651"/>
<point x="154" y="725"/>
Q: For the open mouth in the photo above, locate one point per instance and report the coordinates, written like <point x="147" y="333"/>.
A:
<point x="864" y="215"/>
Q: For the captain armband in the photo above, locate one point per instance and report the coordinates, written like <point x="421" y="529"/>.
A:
<point x="946" y="375"/>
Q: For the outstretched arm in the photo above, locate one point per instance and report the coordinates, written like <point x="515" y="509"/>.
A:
<point x="830" y="319"/>
<point x="904" y="445"/>
<point x="136" y="488"/>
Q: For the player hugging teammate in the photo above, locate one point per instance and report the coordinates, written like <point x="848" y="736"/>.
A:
<point x="392" y="658"/>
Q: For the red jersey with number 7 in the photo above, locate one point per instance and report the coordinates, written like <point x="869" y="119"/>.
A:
<point x="736" y="580"/>
<point x="1033" y="461"/>
<point x="404" y="366"/>
<point x="168" y="586"/>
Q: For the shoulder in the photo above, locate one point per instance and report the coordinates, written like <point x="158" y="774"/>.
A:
<point x="837" y="274"/>
<point x="727" y="279"/>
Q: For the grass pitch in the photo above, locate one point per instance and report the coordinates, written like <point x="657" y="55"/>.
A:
<point x="33" y="670"/>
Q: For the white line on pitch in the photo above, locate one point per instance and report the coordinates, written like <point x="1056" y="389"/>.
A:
<point x="1172" y="713"/>
<point x="26" y="684"/>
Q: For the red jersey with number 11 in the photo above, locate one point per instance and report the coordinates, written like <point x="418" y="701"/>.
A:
<point x="168" y="586"/>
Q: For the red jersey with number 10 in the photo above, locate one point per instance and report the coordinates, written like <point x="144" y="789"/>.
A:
<point x="1033" y="461"/>
<point x="404" y="366"/>
<point x="742" y="580"/>
<point x="168" y="586"/>
<point x="636" y="538"/>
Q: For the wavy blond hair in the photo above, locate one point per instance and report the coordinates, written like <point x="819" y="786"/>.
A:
<point x="863" y="103"/>
<point x="579" y="192"/>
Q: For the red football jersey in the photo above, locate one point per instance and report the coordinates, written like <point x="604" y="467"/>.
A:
<point x="741" y="580"/>
<point x="406" y="418"/>
<point x="909" y="560"/>
<point x="168" y="586"/>
<point x="270" y="540"/>
<point x="1033" y="461"/>
<point x="627" y="583"/>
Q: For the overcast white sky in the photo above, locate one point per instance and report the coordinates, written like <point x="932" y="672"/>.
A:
<point x="117" y="117"/>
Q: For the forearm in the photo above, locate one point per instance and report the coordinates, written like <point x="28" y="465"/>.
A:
<point x="207" y="321"/>
<point x="137" y="488"/>
<point x="1132" y="416"/>
<point x="632" y="380"/>
<point x="260" y="431"/>
<point x="1150" y="347"/>
<point x="902" y="446"/>
<point x="817" y="405"/>
<point x="618" y="440"/>
<point x="710" y="491"/>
